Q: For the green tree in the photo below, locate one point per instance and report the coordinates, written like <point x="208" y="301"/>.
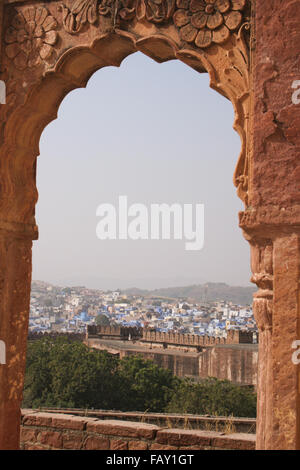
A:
<point x="64" y="373"/>
<point x="102" y="320"/>
<point x="145" y="385"/>
<point x="66" y="290"/>
<point x="61" y="373"/>
<point x="214" y="397"/>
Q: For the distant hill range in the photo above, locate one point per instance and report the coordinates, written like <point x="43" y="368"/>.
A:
<point x="209" y="292"/>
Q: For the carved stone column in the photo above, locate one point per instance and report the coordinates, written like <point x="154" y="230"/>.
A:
<point x="15" y="281"/>
<point x="275" y="263"/>
<point x="262" y="269"/>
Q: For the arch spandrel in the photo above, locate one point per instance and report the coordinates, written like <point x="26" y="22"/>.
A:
<point x="50" y="48"/>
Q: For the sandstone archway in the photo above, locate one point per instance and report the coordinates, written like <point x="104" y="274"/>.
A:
<point x="50" y="48"/>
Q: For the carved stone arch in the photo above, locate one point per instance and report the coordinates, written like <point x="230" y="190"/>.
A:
<point x="52" y="48"/>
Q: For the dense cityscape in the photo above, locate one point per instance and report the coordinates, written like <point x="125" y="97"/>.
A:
<point x="71" y="309"/>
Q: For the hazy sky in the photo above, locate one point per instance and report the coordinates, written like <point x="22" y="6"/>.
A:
<point x="158" y="134"/>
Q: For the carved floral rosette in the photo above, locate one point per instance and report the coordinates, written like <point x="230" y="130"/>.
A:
<point x="207" y="22"/>
<point x="31" y="38"/>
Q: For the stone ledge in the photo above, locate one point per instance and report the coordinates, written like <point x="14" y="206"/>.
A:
<point x="56" y="420"/>
<point x="169" y="420"/>
<point x="184" y="437"/>
<point x="71" y="422"/>
<point x="240" y="441"/>
<point x="40" y="430"/>
<point x="123" y="428"/>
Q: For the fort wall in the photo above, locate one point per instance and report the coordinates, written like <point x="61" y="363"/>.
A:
<point x="234" y="358"/>
<point x="168" y="339"/>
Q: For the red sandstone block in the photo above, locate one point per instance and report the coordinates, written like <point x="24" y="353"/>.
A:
<point x="26" y="411"/>
<point x="37" y="419"/>
<point x="195" y="448"/>
<point x="50" y="438"/>
<point x="123" y="428"/>
<point x="184" y="437"/>
<point x="118" y="444"/>
<point x="72" y="440"/>
<point x="162" y="447"/>
<point x="34" y="447"/>
<point x="65" y="421"/>
<point x="28" y="434"/>
<point x="137" y="445"/>
<point x="235" y="441"/>
<point x="96" y="443"/>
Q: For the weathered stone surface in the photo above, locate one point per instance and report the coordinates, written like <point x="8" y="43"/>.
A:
<point x="118" y="444"/>
<point x="50" y="438"/>
<point x="72" y="440"/>
<point x="96" y="443"/>
<point x="271" y="222"/>
<point x="65" y="421"/>
<point x="28" y="434"/>
<point x="184" y="437"/>
<point x="137" y="445"/>
<point x="275" y="167"/>
<point x="121" y="428"/>
<point x="157" y="446"/>
<point x="239" y="441"/>
<point x="37" y="419"/>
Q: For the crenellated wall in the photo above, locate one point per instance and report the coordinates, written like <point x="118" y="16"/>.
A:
<point x="115" y="332"/>
<point x="165" y="339"/>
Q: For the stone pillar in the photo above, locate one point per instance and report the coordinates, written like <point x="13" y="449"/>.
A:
<point x="271" y="221"/>
<point x="15" y="282"/>
<point x="262" y="269"/>
<point x="286" y="330"/>
<point x="275" y="263"/>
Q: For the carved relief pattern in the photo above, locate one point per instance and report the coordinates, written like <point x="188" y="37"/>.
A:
<point x="201" y="22"/>
<point x="262" y="266"/>
<point x="82" y="12"/>
<point x="204" y="22"/>
<point x="156" y="11"/>
<point x="31" y="37"/>
<point x="262" y="269"/>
